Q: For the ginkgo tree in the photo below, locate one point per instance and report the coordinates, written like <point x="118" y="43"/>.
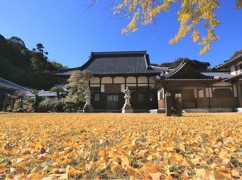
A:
<point x="191" y="15"/>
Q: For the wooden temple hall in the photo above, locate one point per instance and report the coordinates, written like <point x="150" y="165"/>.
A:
<point x="217" y="90"/>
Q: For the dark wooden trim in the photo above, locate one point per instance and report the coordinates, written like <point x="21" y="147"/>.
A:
<point x="137" y="77"/>
<point x="100" y="84"/>
<point x="125" y="82"/>
<point x="148" y="82"/>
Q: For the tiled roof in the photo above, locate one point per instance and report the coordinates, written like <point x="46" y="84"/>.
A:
<point x="10" y="85"/>
<point x="230" y="62"/>
<point x="235" y="77"/>
<point x="116" y="63"/>
<point x="43" y="94"/>
<point x="184" y="72"/>
<point x="221" y="75"/>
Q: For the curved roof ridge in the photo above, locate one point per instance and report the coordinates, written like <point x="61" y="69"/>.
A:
<point x="185" y="71"/>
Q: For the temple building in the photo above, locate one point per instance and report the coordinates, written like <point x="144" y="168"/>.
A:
<point x="217" y="90"/>
<point x="234" y="66"/>
<point x="199" y="90"/>
<point x="113" y="72"/>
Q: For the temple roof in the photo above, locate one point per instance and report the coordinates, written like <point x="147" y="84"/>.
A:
<point x="116" y="63"/>
<point x="10" y="85"/>
<point x="235" y="77"/>
<point x="13" y="88"/>
<point x="230" y="62"/>
<point x="184" y="72"/>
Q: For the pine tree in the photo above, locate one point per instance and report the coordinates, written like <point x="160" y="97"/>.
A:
<point x="77" y="84"/>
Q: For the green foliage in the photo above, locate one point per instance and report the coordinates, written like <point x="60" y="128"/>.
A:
<point x="77" y="84"/>
<point x="58" y="90"/>
<point x="25" y="67"/>
<point x="198" y="65"/>
<point x="50" y="105"/>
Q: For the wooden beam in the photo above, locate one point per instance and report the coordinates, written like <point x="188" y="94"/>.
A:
<point x="100" y="83"/>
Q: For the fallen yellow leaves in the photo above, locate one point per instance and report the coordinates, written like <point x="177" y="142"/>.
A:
<point x="120" y="146"/>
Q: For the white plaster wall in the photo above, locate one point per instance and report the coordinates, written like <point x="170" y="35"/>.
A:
<point x="131" y="79"/>
<point x="201" y="93"/>
<point x="195" y="93"/>
<point x="122" y="87"/>
<point x="102" y="88"/>
<point x="94" y="85"/>
<point x="239" y="71"/>
<point x="107" y="80"/>
<point x="142" y="80"/>
<point x="95" y="80"/>
<point x="119" y="80"/>
<point x="232" y="70"/>
<point x="160" y="94"/>
<point x="129" y="85"/>
<point x="145" y="85"/>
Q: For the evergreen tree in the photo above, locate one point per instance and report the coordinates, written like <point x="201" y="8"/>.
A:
<point x="77" y="84"/>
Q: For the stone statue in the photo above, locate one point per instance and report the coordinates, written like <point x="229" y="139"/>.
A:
<point x="88" y="106"/>
<point x="87" y="94"/>
<point x="127" y="95"/>
<point x="127" y="108"/>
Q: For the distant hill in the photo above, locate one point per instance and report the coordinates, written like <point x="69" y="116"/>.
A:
<point x="23" y="66"/>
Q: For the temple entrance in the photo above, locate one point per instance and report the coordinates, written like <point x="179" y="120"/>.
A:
<point x="112" y="102"/>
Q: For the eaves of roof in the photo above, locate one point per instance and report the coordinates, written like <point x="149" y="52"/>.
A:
<point x="236" y="77"/>
<point x="230" y="62"/>
<point x="10" y="85"/>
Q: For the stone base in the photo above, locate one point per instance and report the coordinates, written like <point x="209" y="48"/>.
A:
<point x="88" y="108"/>
<point x="156" y="111"/>
<point x="127" y="108"/>
<point x="239" y="110"/>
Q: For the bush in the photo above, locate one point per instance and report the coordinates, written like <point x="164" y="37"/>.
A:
<point x="50" y="105"/>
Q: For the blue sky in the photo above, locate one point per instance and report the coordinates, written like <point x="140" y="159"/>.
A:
<point x="70" y="33"/>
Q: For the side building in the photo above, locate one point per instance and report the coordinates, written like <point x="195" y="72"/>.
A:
<point x="9" y="91"/>
<point x="200" y="91"/>
<point x="234" y="66"/>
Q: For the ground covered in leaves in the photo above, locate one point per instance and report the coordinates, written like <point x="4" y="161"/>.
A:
<point x="120" y="146"/>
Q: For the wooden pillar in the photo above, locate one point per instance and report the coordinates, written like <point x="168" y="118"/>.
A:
<point x="148" y="82"/>
<point x="100" y="83"/>
<point x="137" y="83"/>
<point x="125" y="82"/>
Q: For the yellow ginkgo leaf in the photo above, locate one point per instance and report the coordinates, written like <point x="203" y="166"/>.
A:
<point x="155" y="176"/>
